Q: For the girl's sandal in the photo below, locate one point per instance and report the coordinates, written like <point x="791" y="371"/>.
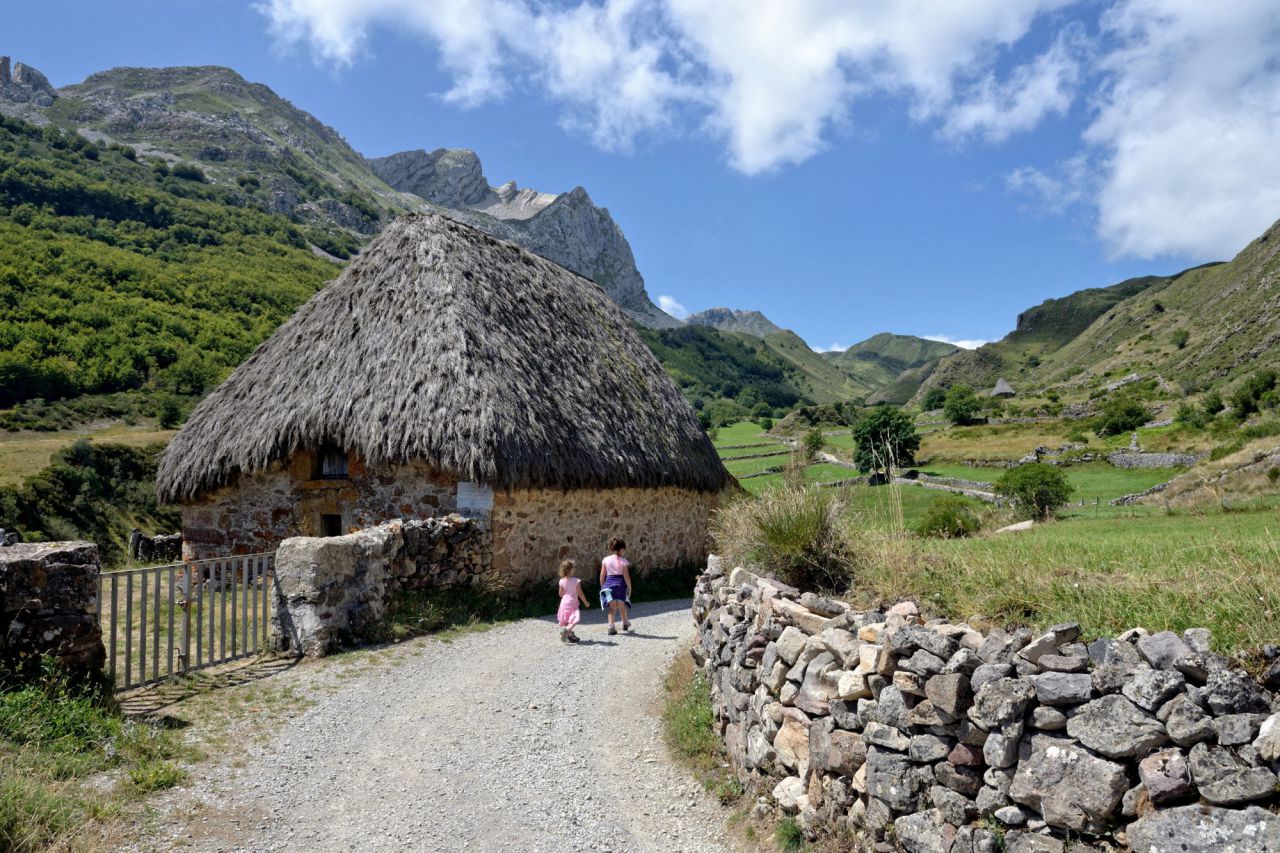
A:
<point x="612" y="631"/>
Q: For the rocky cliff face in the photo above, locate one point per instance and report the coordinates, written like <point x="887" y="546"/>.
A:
<point x="567" y="228"/>
<point x="23" y="90"/>
<point x="734" y="320"/>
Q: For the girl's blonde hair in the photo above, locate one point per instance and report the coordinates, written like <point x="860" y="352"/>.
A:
<point x="566" y="568"/>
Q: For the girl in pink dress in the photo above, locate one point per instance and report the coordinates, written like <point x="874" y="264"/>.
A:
<point x="570" y="594"/>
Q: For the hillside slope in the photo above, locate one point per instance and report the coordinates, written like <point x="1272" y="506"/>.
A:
<point x="890" y="367"/>
<point x="1041" y="331"/>
<point x="1229" y="313"/>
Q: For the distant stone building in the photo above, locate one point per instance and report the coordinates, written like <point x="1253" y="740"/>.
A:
<point x="445" y="371"/>
<point x="1003" y="389"/>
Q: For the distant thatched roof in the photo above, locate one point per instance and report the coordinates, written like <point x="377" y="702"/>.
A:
<point x="1002" y="389"/>
<point x="442" y="344"/>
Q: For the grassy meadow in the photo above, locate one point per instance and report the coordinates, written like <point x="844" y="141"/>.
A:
<point x="1110" y="568"/>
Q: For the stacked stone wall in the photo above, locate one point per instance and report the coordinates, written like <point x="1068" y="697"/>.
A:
<point x="48" y="606"/>
<point x="937" y="738"/>
<point x="339" y="589"/>
<point x="259" y="511"/>
<point x="533" y="530"/>
<point x="1142" y="459"/>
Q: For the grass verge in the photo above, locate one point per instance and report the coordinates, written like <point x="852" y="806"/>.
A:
<point x="689" y="728"/>
<point x="71" y="764"/>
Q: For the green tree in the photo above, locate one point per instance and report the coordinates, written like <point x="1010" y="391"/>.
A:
<point x="1038" y="490"/>
<point x="934" y="399"/>
<point x="1120" y="416"/>
<point x="962" y="405"/>
<point x="883" y="437"/>
<point x="813" y="442"/>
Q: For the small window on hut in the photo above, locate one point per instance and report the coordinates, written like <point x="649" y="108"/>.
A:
<point x="330" y="525"/>
<point x="331" y="463"/>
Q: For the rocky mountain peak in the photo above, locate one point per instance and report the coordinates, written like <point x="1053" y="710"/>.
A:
<point x="449" y="177"/>
<point x="734" y="320"/>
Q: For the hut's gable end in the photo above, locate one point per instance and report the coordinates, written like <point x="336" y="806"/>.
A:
<point x="534" y="529"/>
<point x="289" y="498"/>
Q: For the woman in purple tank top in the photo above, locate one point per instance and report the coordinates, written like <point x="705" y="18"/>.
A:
<point x="615" y="584"/>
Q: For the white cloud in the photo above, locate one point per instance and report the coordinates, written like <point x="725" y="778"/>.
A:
<point x="1180" y="156"/>
<point x="1187" y="133"/>
<point x="672" y="307"/>
<point x="834" y="347"/>
<point x="963" y="343"/>
<point x="771" y="79"/>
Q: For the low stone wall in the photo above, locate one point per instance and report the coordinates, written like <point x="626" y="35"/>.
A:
<point x="1132" y="459"/>
<point x="48" y="606"/>
<point x="939" y="738"/>
<point x="339" y="588"/>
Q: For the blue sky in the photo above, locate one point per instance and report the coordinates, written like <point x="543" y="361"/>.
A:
<point x="922" y="167"/>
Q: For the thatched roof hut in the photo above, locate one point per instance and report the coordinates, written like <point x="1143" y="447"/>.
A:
<point x="1002" y="389"/>
<point x="443" y="345"/>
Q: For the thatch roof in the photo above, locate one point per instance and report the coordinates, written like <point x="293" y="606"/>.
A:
<point x="1002" y="389"/>
<point x="442" y="344"/>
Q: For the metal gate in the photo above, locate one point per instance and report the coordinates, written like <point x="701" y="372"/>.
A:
<point x="170" y="620"/>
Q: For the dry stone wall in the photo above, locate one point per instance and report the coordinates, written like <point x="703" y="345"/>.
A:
<point x="339" y="588"/>
<point x="938" y="738"/>
<point x="48" y="606"/>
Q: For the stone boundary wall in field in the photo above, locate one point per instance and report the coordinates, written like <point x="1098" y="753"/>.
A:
<point x="937" y="738"/>
<point x="49" y="606"/>
<point x="340" y="588"/>
<point x="1130" y="459"/>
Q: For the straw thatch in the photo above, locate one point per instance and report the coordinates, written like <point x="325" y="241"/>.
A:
<point x="444" y="345"/>
<point x="1002" y="389"/>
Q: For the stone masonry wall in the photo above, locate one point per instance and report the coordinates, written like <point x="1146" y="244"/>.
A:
<point x="340" y="588"/>
<point x="48" y="605"/>
<point x="937" y="738"/>
<point x="1136" y="459"/>
<point x="259" y="511"/>
<point x="533" y="530"/>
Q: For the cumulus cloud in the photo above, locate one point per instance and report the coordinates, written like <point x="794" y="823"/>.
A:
<point x="833" y="347"/>
<point x="963" y="343"/>
<point x="672" y="307"/>
<point x="1181" y="98"/>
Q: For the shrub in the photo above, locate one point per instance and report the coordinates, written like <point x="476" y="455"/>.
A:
<point x="813" y="442"/>
<point x="885" y="436"/>
<point x="935" y="399"/>
<point x="1273" y="473"/>
<point x="1180" y="338"/>
<point x="1212" y="403"/>
<point x="187" y="172"/>
<point x="1189" y="416"/>
<point x="1036" y="488"/>
<point x="949" y="517"/>
<point x="1120" y="416"/>
<point x="713" y="433"/>
<point x="962" y="405"/>
<point x="766" y="424"/>
<point x="1245" y="400"/>
<point x="792" y="531"/>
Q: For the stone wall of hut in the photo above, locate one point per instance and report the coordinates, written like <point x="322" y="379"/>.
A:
<point x="259" y="511"/>
<point x="533" y="530"/>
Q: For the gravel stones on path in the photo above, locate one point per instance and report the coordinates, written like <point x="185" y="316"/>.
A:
<point x="501" y="740"/>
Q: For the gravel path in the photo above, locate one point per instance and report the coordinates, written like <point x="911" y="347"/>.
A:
<point x="501" y="740"/>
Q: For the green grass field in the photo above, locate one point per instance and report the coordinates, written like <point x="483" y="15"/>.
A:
<point x="743" y="432"/>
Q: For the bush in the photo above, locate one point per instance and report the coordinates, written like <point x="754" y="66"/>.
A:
<point x="1037" y="489"/>
<point x="1121" y="416"/>
<point x="949" y="517"/>
<point x="962" y="405"/>
<point x="1180" y="338"/>
<point x="935" y="399"/>
<point x="885" y="437"/>
<point x="187" y="172"/>
<point x="1247" y="397"/>
<point x="1212" y="403"/>
<point x="792" y="531"/>
<point x="1189" y="416"/>
<point x="766" y="424"/>
<point x="813" y="442"/>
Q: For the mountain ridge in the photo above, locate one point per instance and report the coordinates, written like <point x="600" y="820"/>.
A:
<point x="735" y="320"/>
